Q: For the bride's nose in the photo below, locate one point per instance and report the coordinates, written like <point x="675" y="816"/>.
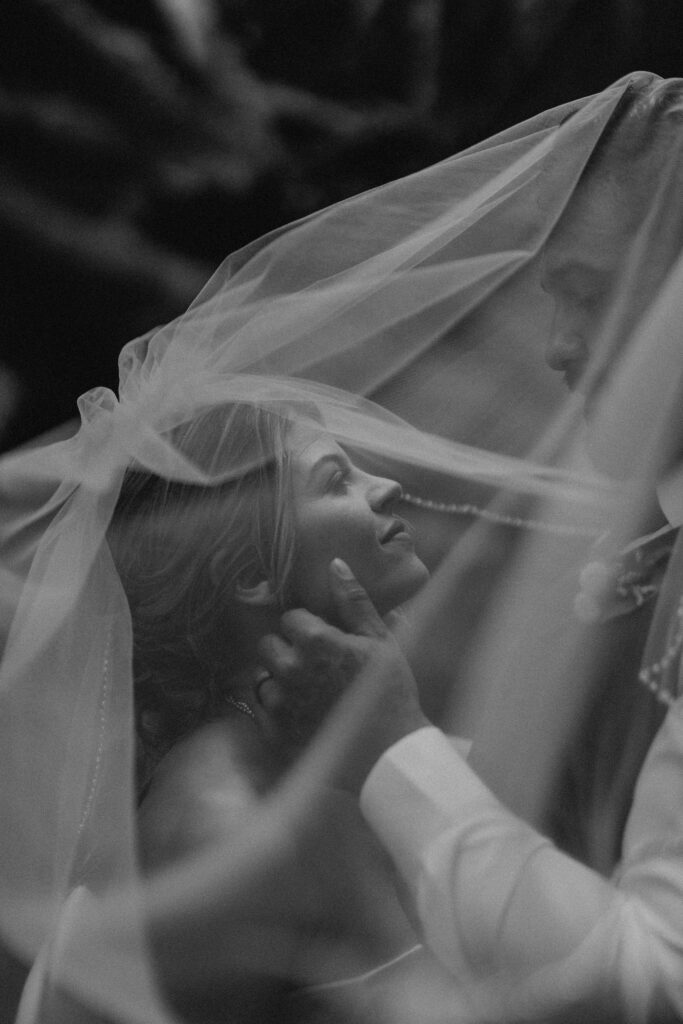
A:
<point x="383" y="493"/>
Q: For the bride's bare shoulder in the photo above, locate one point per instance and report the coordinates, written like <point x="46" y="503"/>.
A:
<point x="204" y="790"/>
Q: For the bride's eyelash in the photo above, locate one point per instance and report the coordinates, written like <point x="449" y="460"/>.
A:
<point x="338" y="479"/>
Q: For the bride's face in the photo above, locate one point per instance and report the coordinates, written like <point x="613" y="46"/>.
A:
<point x="343" y="512"/>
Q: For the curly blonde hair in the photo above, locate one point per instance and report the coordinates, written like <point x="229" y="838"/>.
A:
<point x="182" y="549"/>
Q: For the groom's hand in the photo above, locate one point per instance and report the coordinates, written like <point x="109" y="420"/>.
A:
<point x="311" y="664"/>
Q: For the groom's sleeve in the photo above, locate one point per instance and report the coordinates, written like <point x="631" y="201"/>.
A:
<point x="524" y="928"/>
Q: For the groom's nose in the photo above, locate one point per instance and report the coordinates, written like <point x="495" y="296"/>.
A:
<point x="565" y="349"/>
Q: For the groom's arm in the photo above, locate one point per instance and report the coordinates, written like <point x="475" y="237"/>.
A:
<point x="526" y="930"/>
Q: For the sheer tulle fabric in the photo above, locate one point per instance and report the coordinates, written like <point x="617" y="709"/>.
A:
<point x="409" y="323"/>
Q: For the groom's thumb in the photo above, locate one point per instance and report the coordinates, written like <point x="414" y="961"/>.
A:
<point x="356" y="611"/>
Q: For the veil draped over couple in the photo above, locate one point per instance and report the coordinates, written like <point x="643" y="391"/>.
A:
<point x="341" y="648"/>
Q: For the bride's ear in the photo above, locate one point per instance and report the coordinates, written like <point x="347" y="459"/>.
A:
<point x="257" y="594"/>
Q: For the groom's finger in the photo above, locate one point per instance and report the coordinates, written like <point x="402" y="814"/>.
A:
<point x="298" y="625"/>
<point x="277" y="656"/>
<point x="356" y="611"/>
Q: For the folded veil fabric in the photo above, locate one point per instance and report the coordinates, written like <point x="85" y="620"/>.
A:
<point x="413" y="320"/>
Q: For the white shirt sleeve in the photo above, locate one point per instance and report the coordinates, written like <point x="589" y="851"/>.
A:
<point x="526" y="930"/>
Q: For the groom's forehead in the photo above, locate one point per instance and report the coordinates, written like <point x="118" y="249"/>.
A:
<point x="593" y="235"/>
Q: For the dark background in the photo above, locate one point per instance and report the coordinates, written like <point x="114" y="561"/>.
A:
<point x="143" y="140"/>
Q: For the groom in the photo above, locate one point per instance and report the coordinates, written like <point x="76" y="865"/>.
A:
<point x="463" y="856"/>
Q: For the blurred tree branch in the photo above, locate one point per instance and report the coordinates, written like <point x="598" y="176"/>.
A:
<point x="146" y="139"/>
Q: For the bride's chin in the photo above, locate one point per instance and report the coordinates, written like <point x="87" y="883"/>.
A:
<point x="403" y="591"/>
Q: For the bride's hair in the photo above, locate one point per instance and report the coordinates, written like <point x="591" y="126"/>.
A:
<point x="181" y="550"/>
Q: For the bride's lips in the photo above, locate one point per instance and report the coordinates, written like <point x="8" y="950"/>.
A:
<point x="397" y="528"/>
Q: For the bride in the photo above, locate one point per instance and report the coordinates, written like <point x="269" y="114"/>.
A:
<point x="207" y="572"/>
<point x="155" y="798"/>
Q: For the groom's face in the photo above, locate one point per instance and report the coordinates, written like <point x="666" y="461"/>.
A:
<point x="590" y="272"/>
<point x="608" y="258"/>
<point x="589" y="263"/>
<point x="581" y="264"/>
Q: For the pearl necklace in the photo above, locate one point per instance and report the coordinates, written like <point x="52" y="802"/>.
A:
<point x="499" y="518"/>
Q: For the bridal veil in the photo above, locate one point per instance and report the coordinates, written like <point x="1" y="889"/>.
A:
<point x="414" y="321"/>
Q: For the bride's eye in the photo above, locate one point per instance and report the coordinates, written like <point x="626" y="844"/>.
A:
<point x="338" y="481"/>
